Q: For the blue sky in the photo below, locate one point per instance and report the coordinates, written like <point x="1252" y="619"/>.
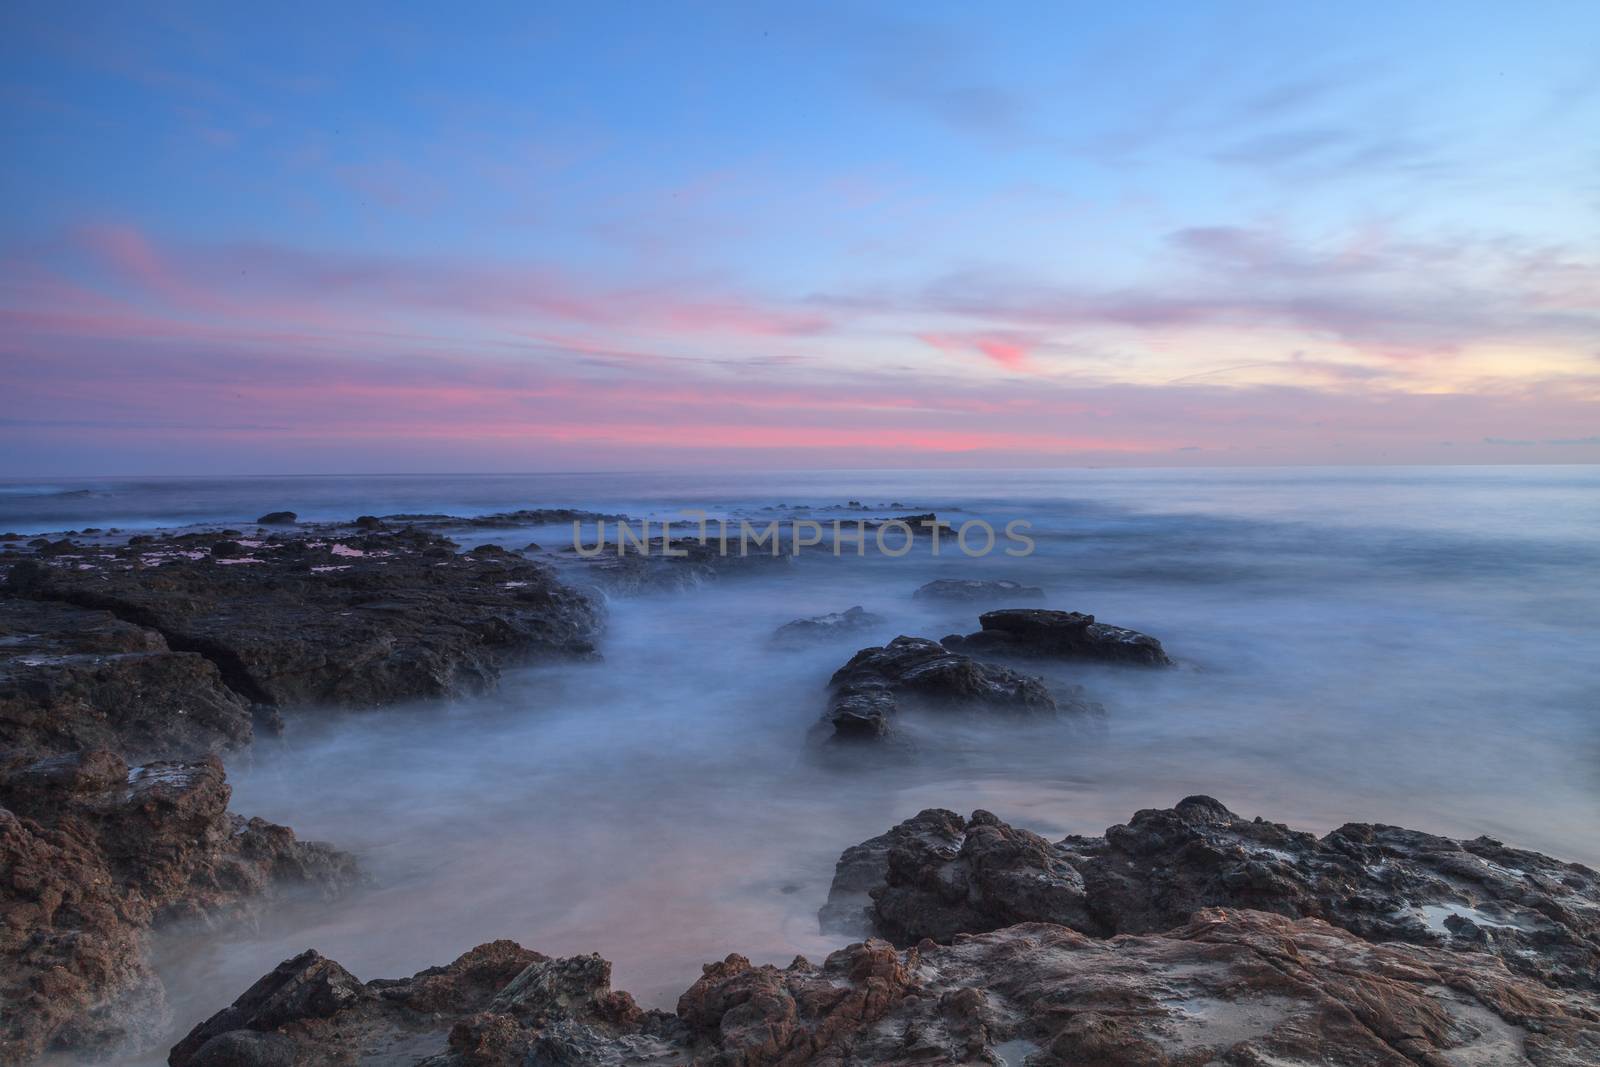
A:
<point x="505" y="237"/>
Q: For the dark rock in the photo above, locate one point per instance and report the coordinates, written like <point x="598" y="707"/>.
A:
<point x="227" y="549"/>
<point x="866" y="693"/>
<point x="833" y="625"/>
<point x="1382" y="883"/>
<point x="319" y="623"/>
<point x="1036" y="632"/>
<point x="278" y="518"/>
<point x="246" y="1048"/>
<point x="74" y="678"/>
<point x="974" y="589"/>
<point x="368" y="522"/>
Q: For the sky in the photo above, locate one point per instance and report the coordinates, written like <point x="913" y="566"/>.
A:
<point x="296" y="238"/>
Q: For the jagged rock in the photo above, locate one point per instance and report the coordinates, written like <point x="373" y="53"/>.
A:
<point x="93" y="855"/>
<point x="278" y="518"/>
<point x="1232" y="986"/>
<point x="866" y="693"/>
<point x="497" y="1004"/>
<point x="835" y="624"/>
<point x="974" y="589"/>
<point x="74" y="678"/>
<point x="312" y="621"/>
<point x="1382" y="883"/>
<point x="1036" y="632"/>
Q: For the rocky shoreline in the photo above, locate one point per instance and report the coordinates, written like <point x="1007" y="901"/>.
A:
<point x="131" y="667"/>
<point x="1188" y="936"/>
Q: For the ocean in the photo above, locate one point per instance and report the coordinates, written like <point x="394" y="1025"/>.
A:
<point x="1406" y="645"/>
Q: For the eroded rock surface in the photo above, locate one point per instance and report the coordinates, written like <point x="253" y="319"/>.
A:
<point x="75" y="678"/>
<point x="316" y="621"/>
<point x="866" y="693"/>
<point x="93" y="854"/>
<point x="977" y="589"/>
<point x="1070" y="635"/>
<point x="940" y="875"/>
<point x="1235" y="987"/>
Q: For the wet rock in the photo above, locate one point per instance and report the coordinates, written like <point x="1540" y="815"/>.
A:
<point x="1232" y="986"/>
<point x="278" y="518"/>
<point x="974" y="589"/>
<point x="820" y="628"/>
<point x="368" y="522"/>
<point x="1039" y="633"/>
<point x="93" y="855"/>
<point x="75" y="678"/>
<point x="649" y="569"/>
<point x="313" y="621"/>
<point x="1383" y="883"/>
<point x="497" y="1004"/>
<point x="866" y="693"/>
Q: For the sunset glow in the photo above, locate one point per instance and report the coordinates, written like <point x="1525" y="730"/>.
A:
<point x="1374" y="241"/>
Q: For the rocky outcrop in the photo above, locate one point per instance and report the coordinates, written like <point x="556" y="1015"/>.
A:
<point x="833" y="626"/>
<point x="648" y="568"/>
<point x="320" y="621"/>
<point x="1230" y="986"/>
<point x="1070" y="635"/>
<point x="940" y="875"/>
<point x="972" y="590"/>
<point x="866" y="693"/>
<point x="278" y="518"/>
<point x="76" y="678"/>
<point x="93" y="854"/>
<point x="497" y="1004"/>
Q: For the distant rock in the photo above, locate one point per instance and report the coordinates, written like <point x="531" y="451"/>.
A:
<point x="865" y="694"/>
<point x="278" y="518"/>
<point x="1036" y="632"/>
<point x="834" y="625"/>
<point x="974" y="589"/>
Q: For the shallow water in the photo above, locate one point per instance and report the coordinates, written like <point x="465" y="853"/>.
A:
<point x="1412" y="646"/>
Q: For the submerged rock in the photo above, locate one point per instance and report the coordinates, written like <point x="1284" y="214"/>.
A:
<point x="974" y="589"/>
<point x="1231" y="986"/>
<point x="94" y="854"/>
<point x="938" y="875"/>
<point x="1037" y="632"/>
<point x="832" y="626"/>
<point x="866" y="693"/>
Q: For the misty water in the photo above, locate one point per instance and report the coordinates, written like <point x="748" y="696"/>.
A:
<point x="1403" y="645"/>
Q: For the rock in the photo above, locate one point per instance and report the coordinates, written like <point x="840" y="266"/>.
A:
<point x="1232" y="986"/>
<point x="76" y="678"/>
<point x="834" y="625"/>
<point x="497" y="1004"/>
<point x="637" y="571"/>
<point x="865" y="694"/>
<point x="973" y="589"/>
<point x="1383" y="883"/>
<point x="316" y="622"/>
<point x="863" y="867"/>
<point x="246" y="1048"/>
<point x="94" y="854"/>
<point x="1036" y="632"/>
<point x="278" y="518"/>
<point x="368" y="522"/>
